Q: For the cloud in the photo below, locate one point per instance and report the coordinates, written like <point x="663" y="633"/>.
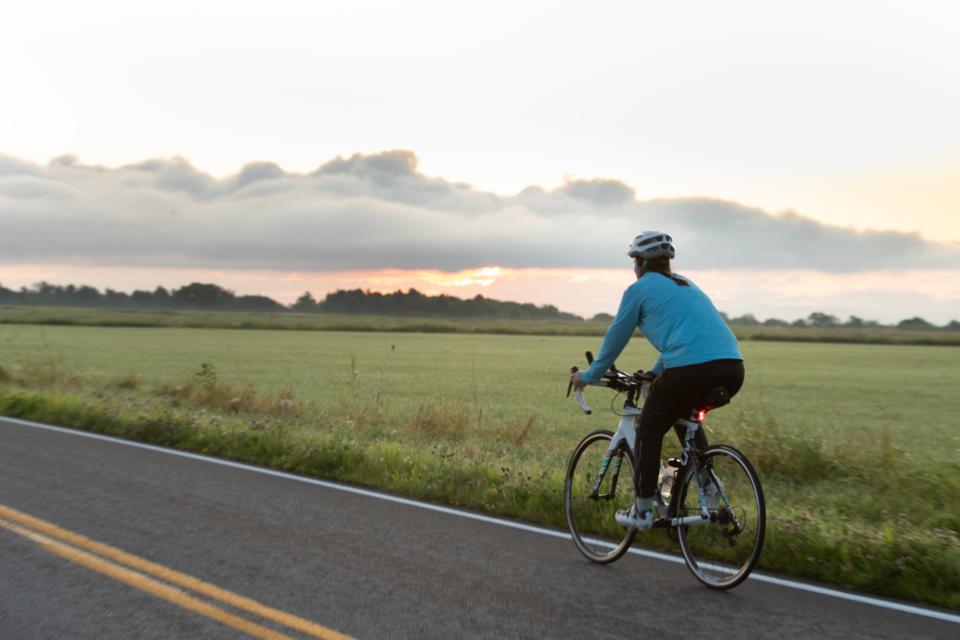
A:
<point x="378" y="211"/>
<point x="599" y="192"/>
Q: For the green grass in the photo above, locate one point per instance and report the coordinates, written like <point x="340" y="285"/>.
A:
<point x="857" y="445"/>
<point x="72" y="316"/>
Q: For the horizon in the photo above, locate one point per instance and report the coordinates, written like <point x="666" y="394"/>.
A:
<point x="319" y="298"/>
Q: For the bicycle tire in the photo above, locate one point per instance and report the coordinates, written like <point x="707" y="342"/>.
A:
<point x="707" y="547"/>
<point x="591" y="522"/>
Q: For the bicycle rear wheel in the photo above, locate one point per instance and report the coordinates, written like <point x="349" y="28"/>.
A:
<point x="590" y="512"/>
<point x="722" y="551"/>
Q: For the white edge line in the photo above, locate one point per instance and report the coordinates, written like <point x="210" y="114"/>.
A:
<point x="760" y="577"/>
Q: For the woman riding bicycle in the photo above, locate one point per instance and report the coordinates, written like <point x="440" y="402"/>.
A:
<point x="697" y="353"/>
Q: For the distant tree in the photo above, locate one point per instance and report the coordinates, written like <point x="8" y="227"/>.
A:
<point x="85" y="296"/>
<point x="915" y="324"/>
<point x="602" y="317"/>
<point x="775" y="322"/>
<point x="202" y="296"/>
<point x="140" y="298"/>
<point x="821" y="320"/>
<point x="799" y="323"/>
<point x="953" y="325"/>
<point x="305" y="303"/>
<point x="256" y="303"/>
<point x="747" y="319"/>
<point x="115" y="298"/>
<point x="856" y="322"/>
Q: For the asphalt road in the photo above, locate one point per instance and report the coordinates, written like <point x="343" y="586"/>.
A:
<point x="359" y="565"/>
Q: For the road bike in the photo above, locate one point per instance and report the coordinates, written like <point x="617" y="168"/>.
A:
<point x="709" y="500"/>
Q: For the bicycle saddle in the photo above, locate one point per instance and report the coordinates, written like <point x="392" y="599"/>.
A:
<point x="716" y="397"/>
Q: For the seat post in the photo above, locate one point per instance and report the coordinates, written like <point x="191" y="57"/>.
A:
<point x="692" y="425"/>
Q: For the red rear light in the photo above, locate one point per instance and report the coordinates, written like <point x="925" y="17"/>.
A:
<point x="701" y="415"/>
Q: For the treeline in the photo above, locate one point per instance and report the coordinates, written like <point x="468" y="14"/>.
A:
<point x="192" y="296"/>
<point x="820" y="320"/>
<point x="412" y="303"/>
<point x="199" y="296"/>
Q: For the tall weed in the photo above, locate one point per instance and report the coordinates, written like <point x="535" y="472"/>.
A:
<point x="444" y="419"/>
<point x="205" y="389"/>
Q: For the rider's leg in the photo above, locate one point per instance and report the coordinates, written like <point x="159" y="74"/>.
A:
<point x="655" y="420"/>
<point x="663" y="406"/>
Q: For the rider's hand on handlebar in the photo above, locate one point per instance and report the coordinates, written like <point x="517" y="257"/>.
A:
<point x="575" y="380"/>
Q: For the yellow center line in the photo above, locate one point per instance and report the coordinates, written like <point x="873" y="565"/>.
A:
<point x="32" y="525"/>
<point x="144" y="583"/>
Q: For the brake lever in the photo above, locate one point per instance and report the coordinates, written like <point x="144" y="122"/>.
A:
<point x="573" y="370"/>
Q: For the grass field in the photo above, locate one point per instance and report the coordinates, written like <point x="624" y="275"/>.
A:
<point x="858" y="445"/>
<point x="71" y="316"/>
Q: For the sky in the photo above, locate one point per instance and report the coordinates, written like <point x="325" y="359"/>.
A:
<point x="804" y="157"/>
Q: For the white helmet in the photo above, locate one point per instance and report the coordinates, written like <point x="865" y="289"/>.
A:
<point x="652" y="244"/>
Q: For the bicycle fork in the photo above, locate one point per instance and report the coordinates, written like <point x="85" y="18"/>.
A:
<point x="610" y="495"/>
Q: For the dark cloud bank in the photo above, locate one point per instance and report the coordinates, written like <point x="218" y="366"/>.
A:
<point x="373" y="211"/>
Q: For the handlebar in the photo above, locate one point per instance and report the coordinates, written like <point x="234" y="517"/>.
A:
<point x="583" y="403"/>
<point x="579" y="394"/>
<point x="614" y="379"/>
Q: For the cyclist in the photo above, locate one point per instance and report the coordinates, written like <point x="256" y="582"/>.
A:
<point x="697" y="353"/>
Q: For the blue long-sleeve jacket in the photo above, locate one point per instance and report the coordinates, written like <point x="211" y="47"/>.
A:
<point x="680" y="322"/>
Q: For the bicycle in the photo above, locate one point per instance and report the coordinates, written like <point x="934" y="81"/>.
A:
<point x="710" y="500"/>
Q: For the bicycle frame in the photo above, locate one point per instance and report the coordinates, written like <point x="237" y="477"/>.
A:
<point x="626" y="433"/>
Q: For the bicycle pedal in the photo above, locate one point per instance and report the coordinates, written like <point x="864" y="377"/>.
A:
<point x="673" y="462"/>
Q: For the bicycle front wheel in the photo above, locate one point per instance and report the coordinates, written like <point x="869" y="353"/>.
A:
<point x="723" y="550"/>
<point x="598" y="483"/>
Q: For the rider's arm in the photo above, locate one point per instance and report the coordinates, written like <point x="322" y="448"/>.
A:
<point x="617" y="336"/>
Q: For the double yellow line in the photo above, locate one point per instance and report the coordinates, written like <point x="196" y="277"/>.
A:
<point x="159" y="580"/>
